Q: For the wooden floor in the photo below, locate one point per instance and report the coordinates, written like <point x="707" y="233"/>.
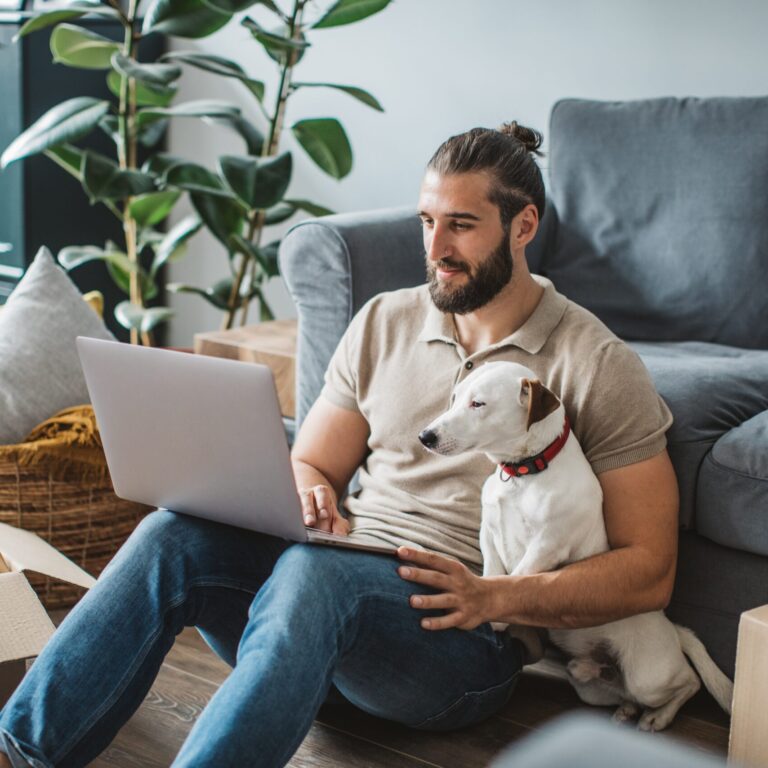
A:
<point x="344" y="736"/>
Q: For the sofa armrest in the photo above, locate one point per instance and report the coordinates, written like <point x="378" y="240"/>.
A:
<point x="332" y="266"/>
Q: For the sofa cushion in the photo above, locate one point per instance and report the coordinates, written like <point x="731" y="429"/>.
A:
<point x="733" y="488"/>
<point x="40" y="370"/>
<point x="662" y="224"/>
<point x="710" y="389"/>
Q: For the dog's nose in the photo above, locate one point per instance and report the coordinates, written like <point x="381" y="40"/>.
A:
<point x="428" y="438"/>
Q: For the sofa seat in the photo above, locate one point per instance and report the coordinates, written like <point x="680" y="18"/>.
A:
<point x="733" y="488"/>
<point x="710" y="389"/>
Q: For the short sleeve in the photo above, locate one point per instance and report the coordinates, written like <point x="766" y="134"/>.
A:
<point x="622" y="419"/>
<point x="342" y="375"/>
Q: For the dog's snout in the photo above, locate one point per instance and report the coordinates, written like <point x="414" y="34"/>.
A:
<point x="428" y="438"/>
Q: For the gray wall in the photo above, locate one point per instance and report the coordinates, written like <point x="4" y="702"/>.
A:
<point x="442" y="66"/>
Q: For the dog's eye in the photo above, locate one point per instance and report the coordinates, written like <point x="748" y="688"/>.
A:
<point x="476" y="404"/>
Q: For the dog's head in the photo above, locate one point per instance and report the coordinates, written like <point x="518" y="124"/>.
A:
<point x="501" y="409"/>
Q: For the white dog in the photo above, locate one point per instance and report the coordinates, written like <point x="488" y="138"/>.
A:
<point x="535" y="520"/>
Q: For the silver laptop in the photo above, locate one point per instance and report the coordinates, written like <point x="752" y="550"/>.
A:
<point x="199" y="435"/>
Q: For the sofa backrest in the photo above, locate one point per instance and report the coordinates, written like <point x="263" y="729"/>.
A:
<point x="662" y="206"/>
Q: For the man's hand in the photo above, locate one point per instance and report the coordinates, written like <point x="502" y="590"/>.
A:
<point x="466" y="598"/>
<point x="318" y="505"/>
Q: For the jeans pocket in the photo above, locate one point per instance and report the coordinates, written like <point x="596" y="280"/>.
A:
<point x="471" y="707"/>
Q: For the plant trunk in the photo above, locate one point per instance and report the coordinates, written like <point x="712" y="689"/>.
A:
<point x="268" y="150"/>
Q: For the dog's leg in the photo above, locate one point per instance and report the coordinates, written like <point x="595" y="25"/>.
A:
<point x="539" y="558"/>
<point x="628" y="710"/>
<point x="658" y="719"/>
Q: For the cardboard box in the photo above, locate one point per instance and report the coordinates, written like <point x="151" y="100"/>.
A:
<point x="24" y="625"/>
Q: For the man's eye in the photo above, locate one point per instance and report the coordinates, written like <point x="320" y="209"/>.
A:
<point x="476" y="404"/>
<point x="427" y="222"/>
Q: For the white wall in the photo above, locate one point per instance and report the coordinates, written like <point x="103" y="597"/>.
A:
<point x="442" y="66"/>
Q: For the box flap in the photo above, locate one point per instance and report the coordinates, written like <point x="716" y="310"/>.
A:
<point x="25" y="628"/>
<point x="24" y="551"/>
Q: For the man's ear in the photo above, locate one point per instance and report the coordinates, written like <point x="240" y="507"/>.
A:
<point x="541" y="401"/>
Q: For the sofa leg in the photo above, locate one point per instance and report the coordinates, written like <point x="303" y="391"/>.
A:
<point x="749" y="736"/>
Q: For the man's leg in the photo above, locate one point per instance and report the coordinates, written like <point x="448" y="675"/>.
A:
<point x="327" y="615"/>
<point x="174" y="571"/>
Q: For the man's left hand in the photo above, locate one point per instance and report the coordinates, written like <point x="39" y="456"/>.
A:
<point x="466" y="598"/>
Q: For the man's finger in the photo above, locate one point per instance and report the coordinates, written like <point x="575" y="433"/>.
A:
<point x="430" y="560"/>
<point x="430" y="578"/>
<point x="340" y="525"/>
<point x="433" y="602"/>
<point x="443" y="622"/>
<point x="308" y="507"/>
<point x="324" y="502"/>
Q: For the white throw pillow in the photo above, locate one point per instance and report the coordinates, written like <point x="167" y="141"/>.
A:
<point x="40" y="370"/>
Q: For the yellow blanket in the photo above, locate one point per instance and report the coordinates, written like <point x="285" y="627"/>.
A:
<point x="68" y="440"/>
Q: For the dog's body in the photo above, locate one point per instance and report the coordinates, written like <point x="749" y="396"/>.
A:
<point x="539" y="521"/>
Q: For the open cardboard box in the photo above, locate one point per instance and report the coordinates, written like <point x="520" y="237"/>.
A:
<point x="24" y="625"/>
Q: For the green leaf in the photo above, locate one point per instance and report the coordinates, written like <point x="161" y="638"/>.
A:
<point x="150" y="74"/>
<point x="195" y="178"/>
<point x="76" y="255"/>
<point x="269" y="258"/>
<point x="326" y="142"/>
<point x="349" y="11"/>
<point x="152" y="208"/>
<point x="312" y="208"/>
<point x="218" y="65"/>
<point x="174" y="241"/>
<point x="151" y="135"/>
<point x="110" y="125"/>
<point x="251" y="135"/>
<point x="258" y="182"/>
<point x="279" y="213"/>
<point x="67" y="13"/>
<point x="230" y="6"/>
<point x="68" y="157"/>
<point x="122" y="280"/>
<point x="103" y="179"/>
<point x="277" y="45"/>
<point x="68" y="121"/>
<point x="78" y="47"/>
<point x="146" y="95"/>
<point x="223" y="217"/>
<point x="196" y="108"/>
<point x="160" y="163"/>
<point x="141" y="318"/>
<point x="218" y="294"/>
<point x="357" y="93"/>
<point x="183" y="18"/>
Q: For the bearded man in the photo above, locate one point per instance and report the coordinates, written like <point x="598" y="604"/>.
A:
<point x="409" y="640"/>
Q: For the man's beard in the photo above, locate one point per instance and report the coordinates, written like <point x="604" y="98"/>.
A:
<point x="489" y="278"/>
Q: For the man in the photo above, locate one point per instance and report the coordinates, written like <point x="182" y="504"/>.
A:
<point x="408" y="641"/>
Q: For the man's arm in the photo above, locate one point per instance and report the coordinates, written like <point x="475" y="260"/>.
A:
<point x="640" y="507"/>
<point x="330" y="446"/>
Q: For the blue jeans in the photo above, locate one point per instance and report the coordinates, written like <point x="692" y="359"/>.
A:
<point x="291" y="619"/>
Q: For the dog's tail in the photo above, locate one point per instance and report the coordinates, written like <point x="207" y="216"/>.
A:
<point x="713" y="678"/>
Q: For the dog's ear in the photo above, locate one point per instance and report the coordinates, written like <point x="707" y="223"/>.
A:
<point x="541" y="402"/>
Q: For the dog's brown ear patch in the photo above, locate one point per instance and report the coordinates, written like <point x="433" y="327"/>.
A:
<point x="541" y="401"/>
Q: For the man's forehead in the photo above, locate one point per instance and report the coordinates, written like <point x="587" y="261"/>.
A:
<point x="461" y="196"/>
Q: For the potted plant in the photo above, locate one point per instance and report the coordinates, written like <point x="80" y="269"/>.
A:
<point x="237" y="200"/>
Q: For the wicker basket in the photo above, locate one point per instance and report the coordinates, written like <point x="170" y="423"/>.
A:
<point x="73" y="508"/>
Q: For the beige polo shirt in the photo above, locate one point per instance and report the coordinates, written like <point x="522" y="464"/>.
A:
<point x="397" y="365"/>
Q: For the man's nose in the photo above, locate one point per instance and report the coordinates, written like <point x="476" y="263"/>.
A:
<point x="428" y="438"/>
<point x="439" y="246"/>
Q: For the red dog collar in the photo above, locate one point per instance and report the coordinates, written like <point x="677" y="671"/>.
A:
<point x="538" y="463"/>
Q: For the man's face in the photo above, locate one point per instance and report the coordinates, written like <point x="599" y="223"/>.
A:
<point x="467" y="250"/>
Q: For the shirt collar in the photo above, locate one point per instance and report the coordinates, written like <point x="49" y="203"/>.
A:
<point x="530" y="336"/>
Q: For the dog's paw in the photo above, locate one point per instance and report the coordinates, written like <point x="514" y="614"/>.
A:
<point x="626" y="712"/>
<point x="653" y="720"/>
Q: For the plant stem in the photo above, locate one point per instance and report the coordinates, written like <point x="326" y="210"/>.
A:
<point x="127" y="155"/>
<point x="269" y="149"/>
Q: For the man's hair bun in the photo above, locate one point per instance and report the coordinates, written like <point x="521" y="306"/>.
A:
<point x="530" y="138"/>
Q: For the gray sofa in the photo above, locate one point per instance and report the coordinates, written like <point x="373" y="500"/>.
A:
<point x="657" y="222"/>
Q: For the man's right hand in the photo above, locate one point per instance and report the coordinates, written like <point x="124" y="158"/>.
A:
<point x="318" y="506"/>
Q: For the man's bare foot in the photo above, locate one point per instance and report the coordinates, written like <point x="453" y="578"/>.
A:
<point x="4" y="761"/>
